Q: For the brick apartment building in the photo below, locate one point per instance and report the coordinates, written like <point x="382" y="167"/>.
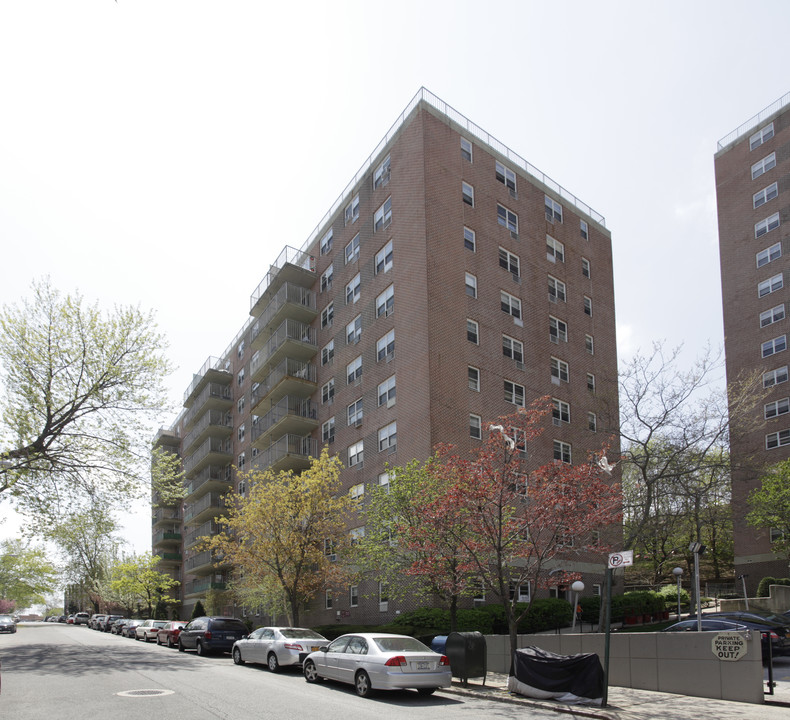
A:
<point x="752" y="180"/>
<point x="450" y="282"/>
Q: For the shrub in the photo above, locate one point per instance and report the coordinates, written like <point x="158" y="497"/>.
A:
<point x="198" y="610"/>
<point x="763" y="589"/>
<point x="669" y="593"/>
<point x="591" y="608"/>
<point x="546" y="614"/>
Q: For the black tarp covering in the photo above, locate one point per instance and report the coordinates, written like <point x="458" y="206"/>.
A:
<point x="575" y="679"/>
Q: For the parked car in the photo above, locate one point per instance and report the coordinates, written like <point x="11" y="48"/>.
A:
<point x="379" y="661"/>
<point x="168" y="635"/>
<point x="7" y="624"/>
<point x="277" y="646"/>
<point x="148" y="629"/>
<point x="107" y="621"/>
<point x="129" y="628"/>
<point x="70" y="620"/>
<point x="780" y="642"/>
<point x="116" y="628"/>
<point x="94" y="621"/>
<point x="211" y="634"/>
<point x="81" y="618"/>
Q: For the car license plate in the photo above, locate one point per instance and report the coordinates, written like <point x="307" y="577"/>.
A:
<point x="314" y="648"/>
<point x="422" y="665"/>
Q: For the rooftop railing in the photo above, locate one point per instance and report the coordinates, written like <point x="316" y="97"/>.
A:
<point x="753" y="122"/>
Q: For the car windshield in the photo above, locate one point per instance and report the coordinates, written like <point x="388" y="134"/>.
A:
<point x="6" y="618"/>
<point x="400" y="644"/>
<point x="293" y="633"/>
<point x="225" y="624"/>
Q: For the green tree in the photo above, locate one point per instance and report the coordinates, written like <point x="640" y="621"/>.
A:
<point x="81" y="388"/>
<point x="770" y="507"/>
<point x="25" y="573"/>
<point x="198" y="610"/>
<point x="279" y="538"/>
<point x="135" y="581"/>
<point x="167" y="478"/>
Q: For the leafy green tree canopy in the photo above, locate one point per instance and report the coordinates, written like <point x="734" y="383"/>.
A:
<point x="770" y="507"/>
<point x="25" y="574"/>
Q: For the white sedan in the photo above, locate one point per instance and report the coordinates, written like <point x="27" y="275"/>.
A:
<point x="148" y="629"/>
<point x="379" y="661"/>
<point x="276" y="646"/>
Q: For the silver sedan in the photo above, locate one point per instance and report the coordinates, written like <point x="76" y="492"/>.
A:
<point x="379" y="661"/>
<point x="277" y="646"/>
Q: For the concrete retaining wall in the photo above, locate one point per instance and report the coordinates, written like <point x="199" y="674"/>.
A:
<point x="778" y="602"/>
<point x="681" y="663"/>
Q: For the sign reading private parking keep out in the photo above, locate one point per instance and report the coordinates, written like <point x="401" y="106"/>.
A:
<point x="729" y="646"/>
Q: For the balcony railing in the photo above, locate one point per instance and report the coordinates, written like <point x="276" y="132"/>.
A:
<point x="202" y="558"/>
<point x="288" y="451"/>
<point x="302" y="308"/>
<point x="198" y="587"/>
<point x="294" y="333"/>
<point x="289" y="256"/>
<point x="165" y="514"/>
<point x="166" y="537"/>
<point x="213" y="476"/>
<point x="210" y="501"/>
<point x="753" y="122"/>
<point x="294" y="408"/>
<point x="302" y="373"/>
<point x="215" y="422"/>
<point x="212" y="446"/>
<point x="212" y="364"/>
<point x="207" y="529"/>
<point x="214" y="395"/>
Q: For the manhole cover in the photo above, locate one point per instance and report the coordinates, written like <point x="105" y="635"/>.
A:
<point x="144" y="693"/>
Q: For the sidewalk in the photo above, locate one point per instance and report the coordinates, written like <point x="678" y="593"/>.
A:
<point x="629" y="704"/>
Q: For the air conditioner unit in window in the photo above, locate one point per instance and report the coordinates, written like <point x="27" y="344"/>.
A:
<point x="554" y="339"/>
<point x="358" y="381"/>
<point x="390" y="402"/>
<point x="552" y="298"/>
<point x="389" y="357"/>
<point x="555" y="380"/>
<point x="358" y="423"/>
<point x="519" y="365"/>
<point x="513" y="193"/>
<point x="514" y="235"/>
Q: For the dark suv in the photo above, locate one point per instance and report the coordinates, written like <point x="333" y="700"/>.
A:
<point x="211" y="634"/>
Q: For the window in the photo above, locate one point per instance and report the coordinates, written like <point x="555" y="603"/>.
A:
<point x="514" y="393"/>
<point x="765" y="226"/>
<point x="584" y="229"/>
<point x="383" y="216"/>
<point x="240" y="349"/>
<point x="775" y="314"/>
<point x="466" y="149"/>
<point x="388" y="437"/>
<point x="384" y="480"/>
<point x="328" y="353"/>
<point x="763" y="166"/>
<point x="351" y="213"/>
<point x="357" y="492"/>
<point x="381" y="176"/>
<point x="777" y="439"/>
<point x="468" y="193"/>
<point x="761" y="136"/>
<point x="507" y="177"/>
<point x="473" y="378"/>
<point x="354" y="330"/>
<point x="769" y="254"/>
<point x="354" y="370"/>
<point x="328" y="315"/>
<point x="328" y="431"/>
<point x="328" y="392"/>
<point x="591" y="382"/>
<point x="512" y="348"/>
<point x="354" y="412"/>
<point x="352" y="290"/>
<point x="776" y="408"/>
<point x="775" y="377"/>
<point x="772" y="284"/>
<point x="589" y="344"/>
<point x="775" y="534"/>
<point x="356" y="453"/>
<point x="560" y="412"/>
<point x="507" y="218"/>
<point x="353" y="595"/>
<point x="328" y="600"/>
<point x="472" y="331"/>
<point x="327" y="277"/>
<point x="553" y="210"/>
<point x="475" y="427"/>
<point x="242" y="461"/>
<point x="385" y="346"/>
<point x="352" y="250"/>
<point x="555" y="250"/>
<point x="562" y="451"/>
<point x="240" y="404"/>
<point x="470" y="281"/>
<point x="587" y="306"/>
<point x="326" y="242"/>
<point x="385" y="303"/>
<point x="240" y="377"/>
<point x="592" y="421"/>
<point x="509" y="261"/>
<point x="470" y="242"/>
<point x="585" y="267"/>
<point x="510" y="305"/>
<point x="386" y="392"/>
<point x="383" y="597"/>
<point x="771" y="347"/>
<point x="559" y="371"/>
<point x="241" y="432"/>
<point x="556" y="290"/>
<point x="766" y="194"/>
<point x="558" y="330"/>
<point x="384" y="259"/>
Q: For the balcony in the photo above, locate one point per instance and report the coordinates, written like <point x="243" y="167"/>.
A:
<point x="290" y="301"/>
<point x="210" y="479"/>
<point x="213" y="370"/>
<point x="290" y="452"/>
<point x="214" y="423"/>
<point x="290" y="377"/>
<point x="167" y="438"/>
<point x="202" y="586"/>
<point x="170" y="558"/>
<point x="290" y="416"/>
<point x="166" y="538"/>
<point x="207" y="529"/>
<point x="200" y="564"/>
<point x="213" y="451"/>
<point x="208" y="507"/>
<point x="292" y="339"/>
<point x="214" y="396"/>
<point x="291" y="266"/>
<point x="165" y="515"/>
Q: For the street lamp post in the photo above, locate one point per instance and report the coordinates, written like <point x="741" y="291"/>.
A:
<point x="577" y="587"/>
<point x="697" y="548"/>
<point x="678" y="573"/>
<point x="742" y="578"/>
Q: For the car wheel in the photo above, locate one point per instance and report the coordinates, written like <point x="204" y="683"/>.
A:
<point x="237" y="656"/>
<point x="273" y="663"/>
<point x="362" y="684"/>
<point x="199" y="649"/>
<point x="311" y="672"/>
<point x="426" y="691"/>
<point x="181" y="647"/>
<point x="170" y="641"/>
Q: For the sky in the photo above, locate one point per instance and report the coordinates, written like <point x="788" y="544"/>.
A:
<point x="161" y="153"/>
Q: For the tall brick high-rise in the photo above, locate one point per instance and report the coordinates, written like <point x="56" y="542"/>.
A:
<point x="753" y="190"/>
<point x="450" y="282"/>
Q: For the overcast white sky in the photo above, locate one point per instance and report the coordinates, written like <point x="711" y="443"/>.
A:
<point x="163" y="152"/>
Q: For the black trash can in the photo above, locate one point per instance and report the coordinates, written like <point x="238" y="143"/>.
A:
<point x="439" y="644"/>
<point x="466" y="652"/>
